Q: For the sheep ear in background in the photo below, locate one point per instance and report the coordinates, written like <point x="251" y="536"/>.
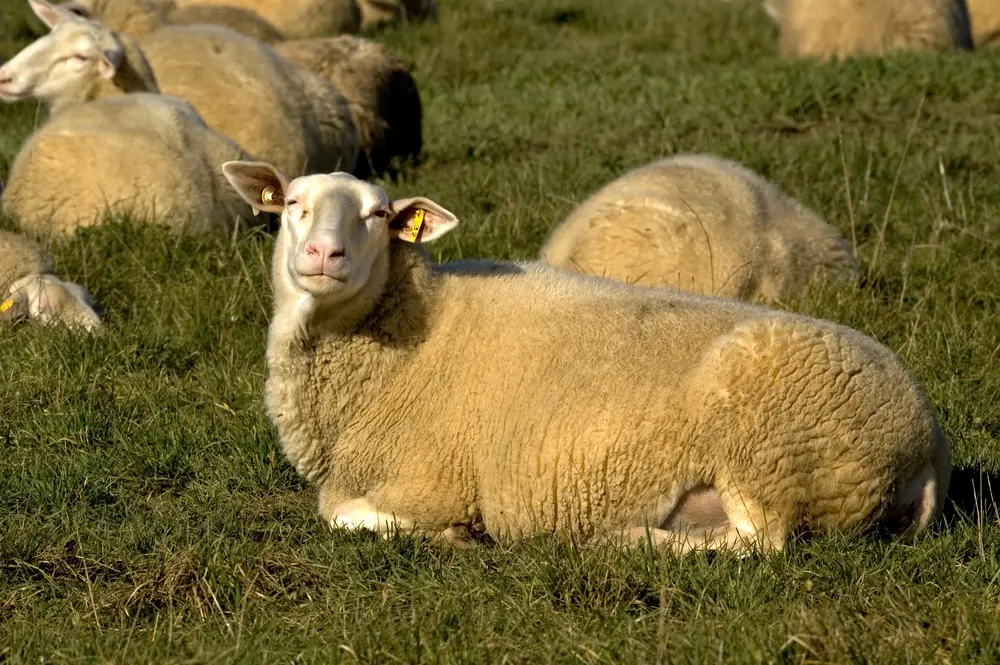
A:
<point x="110" y="62"/>
<point x="420" y="220"/>
<point x="259" y="183"/>
<point x="51" y="300"/>
<point x="13" y="306"/>
<point x="50" y="14"/>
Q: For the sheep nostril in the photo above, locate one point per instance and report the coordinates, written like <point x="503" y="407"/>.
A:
<point x="6" y="78"/>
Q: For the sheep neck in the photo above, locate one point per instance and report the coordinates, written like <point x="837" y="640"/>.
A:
<point x="329" y="365"/>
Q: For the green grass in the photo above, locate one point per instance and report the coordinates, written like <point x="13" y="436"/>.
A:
<point x="148" y="515"/>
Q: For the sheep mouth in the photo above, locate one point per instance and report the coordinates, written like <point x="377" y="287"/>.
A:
<point x="9" y="96"/>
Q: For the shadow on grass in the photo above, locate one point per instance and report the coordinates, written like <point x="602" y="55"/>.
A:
<point x="973" y="495"/>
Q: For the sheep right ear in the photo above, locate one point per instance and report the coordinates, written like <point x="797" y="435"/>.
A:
<point x="260" y="184"/>
<point x="110" y="62"/>
<point x="50" y="14"/>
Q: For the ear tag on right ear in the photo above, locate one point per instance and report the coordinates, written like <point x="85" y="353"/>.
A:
<point x="418" y="221"/>
<point x="6" y="305"/>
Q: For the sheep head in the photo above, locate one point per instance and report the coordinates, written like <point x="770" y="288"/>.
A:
<point x="333" y="226"/>
<point x="50" y="300"/>
<point x="64" y="64"/>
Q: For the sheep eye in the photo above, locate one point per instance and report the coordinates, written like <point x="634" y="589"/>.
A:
<point x="381" y="213"/>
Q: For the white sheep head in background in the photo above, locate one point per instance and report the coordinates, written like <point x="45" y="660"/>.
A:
<point x="74" y="57"/>
<point x="51" y="301"/>
<point x="335" y="230"/>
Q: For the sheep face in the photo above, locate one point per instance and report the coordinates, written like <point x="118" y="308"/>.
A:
<point x="51" y="300"/>
<point x="72" y="56"/>
<point x="333" y="226"/>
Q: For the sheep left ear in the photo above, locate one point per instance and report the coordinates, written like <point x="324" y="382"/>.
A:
<point x="109" y="63"/>
<point x="51" y="15"/>
<point x="419" y="220"/>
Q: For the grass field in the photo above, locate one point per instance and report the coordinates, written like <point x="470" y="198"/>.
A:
<point x="147" y="514"/>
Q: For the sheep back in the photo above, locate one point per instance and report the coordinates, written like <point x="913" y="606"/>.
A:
<point x="703" y="224"/>
<point x="244" y="21"/>
<point x="148" y="155"/>
<point x="299" y="19"/>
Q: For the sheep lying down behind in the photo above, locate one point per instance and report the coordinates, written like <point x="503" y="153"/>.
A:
<point x="107" y="146"/>
<point x="507" y="399"/>
<point x="704" y="224"/>
<point x="824" y="29"/>
<point x="298" y="19"/>
<point x="270" y="106"/>
<point x="29" y="289"/>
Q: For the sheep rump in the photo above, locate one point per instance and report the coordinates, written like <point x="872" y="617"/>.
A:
<point x="704" y="224"/>
<point x="382" y="95"/>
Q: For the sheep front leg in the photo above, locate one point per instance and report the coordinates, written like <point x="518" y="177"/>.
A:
<point x="362" y="514"/>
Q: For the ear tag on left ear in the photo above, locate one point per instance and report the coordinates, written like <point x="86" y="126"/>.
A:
<point x="418" y="221"/>
<point x="6" y="305"/>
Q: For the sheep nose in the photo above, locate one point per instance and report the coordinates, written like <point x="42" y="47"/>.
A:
<point x="322" y="250"/>
<point x="6" y="76"/>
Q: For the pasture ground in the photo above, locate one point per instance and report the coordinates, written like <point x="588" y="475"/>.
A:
<point x="147" y="514"/>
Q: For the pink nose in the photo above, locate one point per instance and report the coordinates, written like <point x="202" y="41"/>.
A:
<point x="6" y="77"/>
<point x="322" y="251"/>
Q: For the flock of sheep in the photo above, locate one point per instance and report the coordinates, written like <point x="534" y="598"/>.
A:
<point x="637" y="382"/>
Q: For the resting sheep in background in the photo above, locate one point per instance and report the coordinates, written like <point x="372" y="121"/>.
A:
<point x="297" y="119"/>
<point x="511" y="399"/>
<point x="700" y="223"/>
<point x="298" y="19"/>
<point x="985" y="18"/>
<point x="383" y="96"/>
<point x="29" y="289"/>
<point x="112" y="143"/>
<point x="377" y="13"/>
<point x="825" y="29"/>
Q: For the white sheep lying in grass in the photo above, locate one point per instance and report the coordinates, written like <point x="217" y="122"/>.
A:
<point x="700" y="223"/>
<point x="112" y="142"/>
<point x="516" y="398"/>
<point x="824" y="29"/>
<point x="297" y="120"/>
<point x="29" y="289"/>
<point x="383" y="96"/>
<point x="299" y="19"/>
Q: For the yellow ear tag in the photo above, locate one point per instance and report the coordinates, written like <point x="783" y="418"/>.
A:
<point x="6" y="305"/>
<point x="418" y="221"/>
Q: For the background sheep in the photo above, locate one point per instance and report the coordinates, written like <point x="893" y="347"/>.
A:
<point x="242" y="88"/>
<point x="703" y="224"/>
<point x="406" y="392"/>
<point x="104" y="150"/>
<point x="842" y="28"/>
<point x="383" y="97"/>
<point x="299" y="19"/>
<point x="243" y="21"/>
<point x="29" y="289"/>
<point x="375" y="13"/>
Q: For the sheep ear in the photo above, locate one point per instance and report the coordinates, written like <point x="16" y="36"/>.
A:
<point x="109" y="63"/>
<point x="260" y="184"/>
<point x="50" y="14"/>
<point x="419" y="220"/>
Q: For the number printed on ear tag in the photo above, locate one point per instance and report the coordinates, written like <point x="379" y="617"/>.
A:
<point x="418" y="221"/>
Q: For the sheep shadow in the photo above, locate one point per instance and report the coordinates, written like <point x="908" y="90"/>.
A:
<point x="974" y="494"/>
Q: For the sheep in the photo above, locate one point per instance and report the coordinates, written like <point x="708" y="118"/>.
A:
<point x="243" y="21"/>
<point x="700" y="223"/>
<point x="297" y="120"/>
<point x="376" y="13"/>
<point x="112" y="142"/>
<point x="985" y="18"/>
<point x="29" y="289"/>
<point x="825" y="29"/>
<point x="383" y="97"/>
<point x="495" y="400"/>
<point x="299" y="19"/>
